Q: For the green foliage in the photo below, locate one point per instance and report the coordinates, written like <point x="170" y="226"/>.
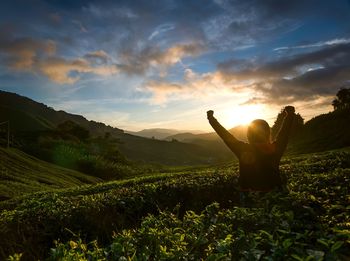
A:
<point x="214" y="234"/>
<point x="21" y="174"/>
<point x="97" y="157"/>
<point x="74" y="129"/>
<point x="171" y="216"/>
<point x="324" y="132"/>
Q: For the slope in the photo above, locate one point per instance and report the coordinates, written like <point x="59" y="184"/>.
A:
<point x="323" y="132"/>
<point x="26" y="115"/>
<point x="47" y="114"/>
<point x="21" y="173"/>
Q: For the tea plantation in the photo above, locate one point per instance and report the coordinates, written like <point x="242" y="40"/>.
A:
<point x="187" y="215"/>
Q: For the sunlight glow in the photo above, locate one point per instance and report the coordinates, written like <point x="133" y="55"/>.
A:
<point x="243" y="115"/>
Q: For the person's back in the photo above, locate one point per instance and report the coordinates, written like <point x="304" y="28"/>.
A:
<point x="259" y="159"/>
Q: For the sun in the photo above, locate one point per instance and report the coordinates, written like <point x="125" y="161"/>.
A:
<point x="242" y="114"/>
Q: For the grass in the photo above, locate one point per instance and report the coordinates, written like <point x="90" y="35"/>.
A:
<point x="21" y="173"/>
<point x="171" y="216"/>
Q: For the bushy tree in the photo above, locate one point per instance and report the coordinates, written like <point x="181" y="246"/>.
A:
<point x="298" y="123"/>
<point x="343" y="99"/>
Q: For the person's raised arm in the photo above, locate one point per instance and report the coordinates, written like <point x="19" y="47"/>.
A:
<point x="283" y="134"/>
<point x="224" y="134"/>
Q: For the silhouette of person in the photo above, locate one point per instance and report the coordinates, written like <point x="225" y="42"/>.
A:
<point x="259" y="159"/>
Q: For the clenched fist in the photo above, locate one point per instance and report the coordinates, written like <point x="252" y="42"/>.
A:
<point x="289" y="109"/>
<point x="210" y="114"/>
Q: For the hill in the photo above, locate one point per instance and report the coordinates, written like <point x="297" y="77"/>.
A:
<point x="211" y="141"/>
<point x="21" y="174"/>
<point x="158" y="133"/>
<point x="328" y="131"/>
<point x="323" y="132"/>
<point x="27" y="116"/>
<point x="240" y="132"/>
<point x="14" y="107"/>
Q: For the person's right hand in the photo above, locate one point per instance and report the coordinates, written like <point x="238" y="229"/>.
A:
<point x="210" y="114"/>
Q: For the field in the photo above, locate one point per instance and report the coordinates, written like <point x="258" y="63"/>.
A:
<point x="21" y="173"/>
<point x="187" y="215"/>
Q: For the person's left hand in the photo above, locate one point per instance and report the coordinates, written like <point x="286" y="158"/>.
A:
<point x="289" y="109"/>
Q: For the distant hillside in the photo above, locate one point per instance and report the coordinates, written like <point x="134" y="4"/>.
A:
<point x="240" y="132"/>
<point x="21" y="173"/>
<point x="159" y="133"/>
<point x="211" y="141"/>
<point x="323" y="132"/>
<point x="183" y="137"/>
<point x="26" y="115"/>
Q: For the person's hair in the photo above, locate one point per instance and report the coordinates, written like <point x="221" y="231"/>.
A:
<point x="258" y="132"/>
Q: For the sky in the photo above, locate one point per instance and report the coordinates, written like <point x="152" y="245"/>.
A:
<point x="163" y="64"/>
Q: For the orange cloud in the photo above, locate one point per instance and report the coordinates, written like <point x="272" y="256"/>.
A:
<point x="39" y="56"/>
<point x="22" y="53"/>
<point x="59" y="69"/>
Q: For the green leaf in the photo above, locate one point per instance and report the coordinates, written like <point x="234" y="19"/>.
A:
<point x="287" y="243"/>
<point x="296" y="257"/>
<point x="336" y="246"/>
<point x="323" y="242"/>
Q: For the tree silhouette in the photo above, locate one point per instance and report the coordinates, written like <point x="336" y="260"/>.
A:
<point x="298" y="123"/>
<point x="74" y="129"/>
<point x="343" y="99"/>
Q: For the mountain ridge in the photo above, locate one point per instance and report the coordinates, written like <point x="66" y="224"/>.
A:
<point x="40" y="117"/>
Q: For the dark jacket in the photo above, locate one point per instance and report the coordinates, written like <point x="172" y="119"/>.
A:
<point x="258" y="163"/>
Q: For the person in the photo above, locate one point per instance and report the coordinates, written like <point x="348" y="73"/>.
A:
<point x="259" y="158"/>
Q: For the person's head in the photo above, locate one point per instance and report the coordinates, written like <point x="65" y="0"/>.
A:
<point x="258" y="132"/>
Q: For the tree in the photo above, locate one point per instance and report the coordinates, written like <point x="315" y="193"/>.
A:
<point x="343" y="99"/>
<point x="298" y="123"/>
<point x="72" y="128"/>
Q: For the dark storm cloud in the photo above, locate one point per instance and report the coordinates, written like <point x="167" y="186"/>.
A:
<point x="315" y="83"/>
<point x="298" y="77"/>
<point x="328" y="56"/>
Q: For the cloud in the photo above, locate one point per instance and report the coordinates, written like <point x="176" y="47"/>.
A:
<point x="193" y="85"/>
<point x="21" y="53"/>
<point x="139" y="62"/>
<point x="39" y="56"/>
<point x="289" y="79"/>
<point x="59" y="70"/>
<point x="297" y="77"/>
<point x="315" y="83"/>
<point x="162" y="91"/>
<point x="99" y="56"/>
<point x="80" y="25"/>
<point x="315" y="45"/>
<point x="161" y="29"/>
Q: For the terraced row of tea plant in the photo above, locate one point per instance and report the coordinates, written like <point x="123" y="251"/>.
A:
<point x="173" y="216"/>
<point x="21" y="173"/>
